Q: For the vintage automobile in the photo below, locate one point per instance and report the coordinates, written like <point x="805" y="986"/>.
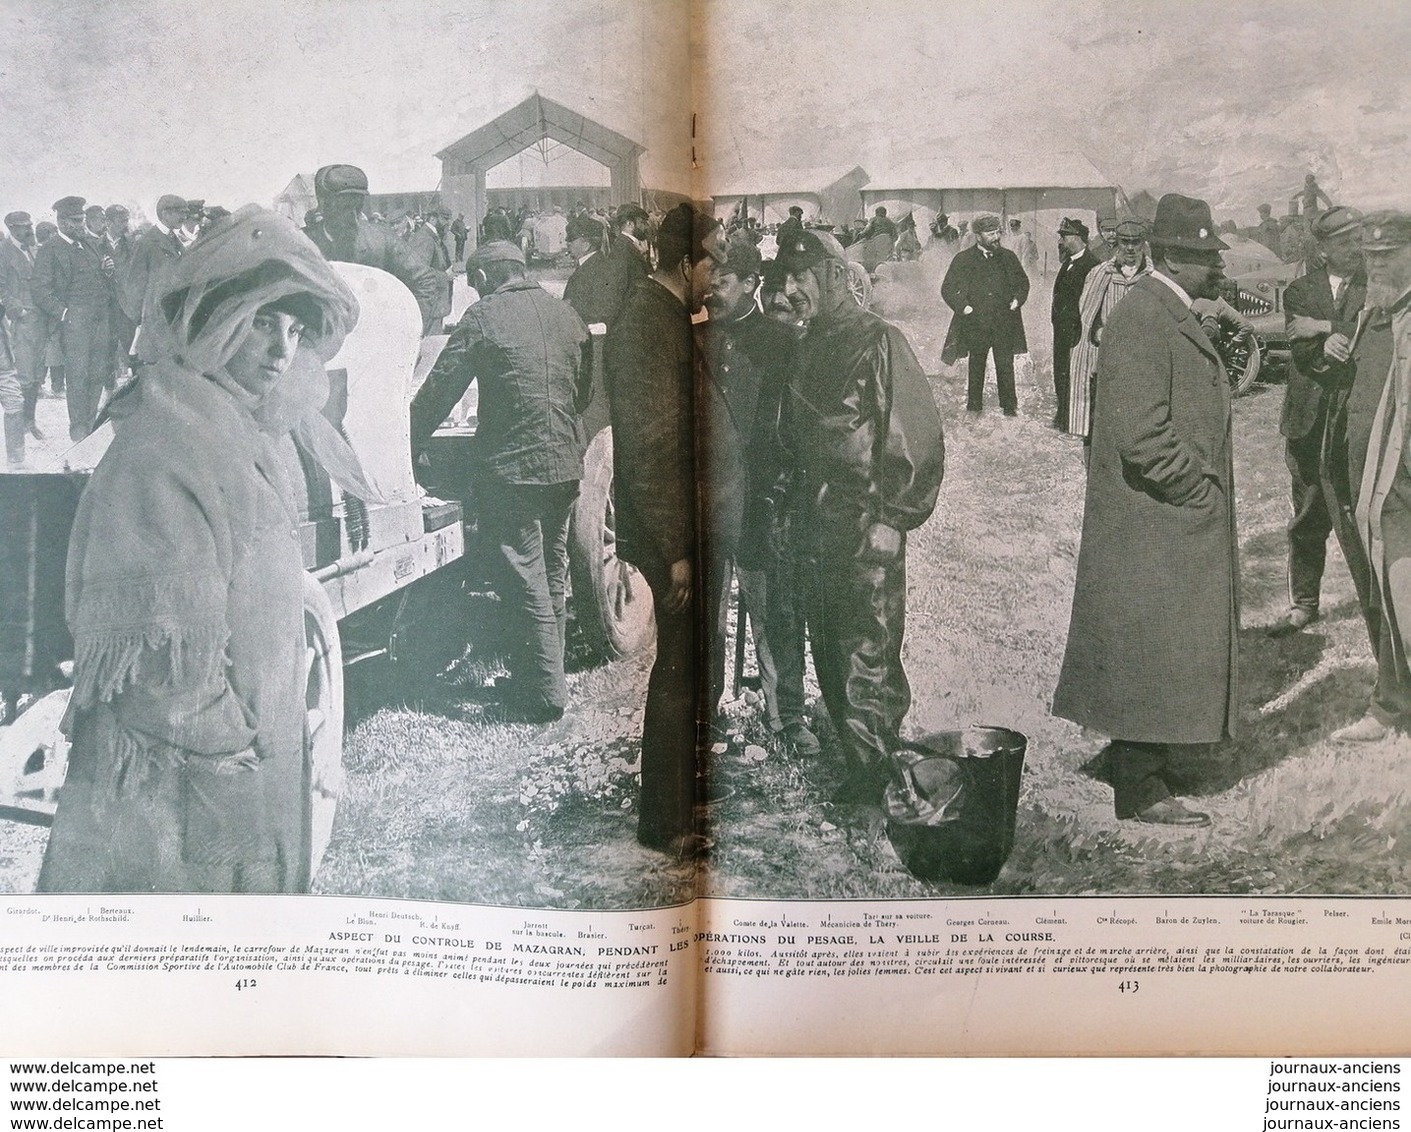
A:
<point x="379" y="578"/>
<point x="1259" y="295"/>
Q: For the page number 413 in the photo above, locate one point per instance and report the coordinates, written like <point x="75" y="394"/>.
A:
<point x="1126" y="986"/>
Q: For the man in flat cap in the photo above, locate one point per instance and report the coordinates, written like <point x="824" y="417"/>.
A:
<point x="72" y="285"/>
<point x="1105" y="286"/>
<point x="747" y="360"/>
<point x="651" y="363"/>
<point x="1320" y="309"/>
<point x="1151" y="654"/>
<point x="154" y="253"/>
<point x="343" y="234"/>
<point x="986" y="286"/>
<point x="1383" y="504"/>
<point x="868" y="457"/>
<point x="1076" y="262"/>
<point x="529" y="353"/>
<point x="24" y="321"/>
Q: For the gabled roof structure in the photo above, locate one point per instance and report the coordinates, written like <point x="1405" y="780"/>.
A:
<point x="532" y="120"/>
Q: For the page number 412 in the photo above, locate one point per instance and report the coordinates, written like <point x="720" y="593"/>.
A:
<point x="1126" y="986"/>
<point x="244" y="984"/>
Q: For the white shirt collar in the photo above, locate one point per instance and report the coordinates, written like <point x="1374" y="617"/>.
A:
<point x="1180" y="291"/>
<point x="587" y="257"/>
<point x="162" y="228"/>
<point x="67" y="240"/>
<point x="1335" y="281"/>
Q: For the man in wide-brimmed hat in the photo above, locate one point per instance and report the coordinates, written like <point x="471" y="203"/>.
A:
<point x="1151" y="653"/>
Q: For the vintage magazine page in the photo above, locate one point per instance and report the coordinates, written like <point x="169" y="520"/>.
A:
<point x="947" y="800"/>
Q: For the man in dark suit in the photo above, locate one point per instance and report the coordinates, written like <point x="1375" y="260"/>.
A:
<point x="986" y="286"/>
<point x="1349" y="359"/>
<point x="72" y="284"/>
<point x="153" y="254"/>
<point x="1318" y="306"/>
<point x="24" y="321"/>
<point x="1067" y="321"/>
<point x="651" y="375"/>
<point x="599" y="283"/>
<point x="1153" y="639"/>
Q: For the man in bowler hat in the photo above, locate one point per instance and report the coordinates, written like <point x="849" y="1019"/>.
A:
<point x="1151" y="653"/>
<point x="986" y="286"/>
<point x="1067" y="323"/>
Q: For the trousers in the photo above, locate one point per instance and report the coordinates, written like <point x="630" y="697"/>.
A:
<point x="1311" y="522"/>
<point x="1004" y="380"/>
<point x="753" y="606"/>
<point x="856" y="616"/>
<point x="527" y="525"/>
<point x="1062" y="380"/>
<point x="88" y="361"/>
<point x="668" y="797"/>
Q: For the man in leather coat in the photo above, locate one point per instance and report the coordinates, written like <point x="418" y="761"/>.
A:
<point x="868" y="455"/>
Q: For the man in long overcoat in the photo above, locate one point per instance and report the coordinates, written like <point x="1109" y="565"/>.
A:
<point x="154" y="253"/>
<point x="1064" y="314"/>
<point x="986" y="286"/>
<point x="1151" y="656"/>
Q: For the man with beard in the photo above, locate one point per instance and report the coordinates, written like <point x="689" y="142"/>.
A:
<point x="1320" y="309"/>
<point x="72" y="284"/>
<point x="1067" y="324"/>
<point x="868" y="456"/>
<point x="1383" y="510"/>
<point x="25" y="325"/>
<point x="747" y="360"/>
<point x="1105" y="286"/>
<point x="344" y="235"/>
<point x="650" y="367"/>
<point x="985" y="286"/>
<point x="1151" y="655"/>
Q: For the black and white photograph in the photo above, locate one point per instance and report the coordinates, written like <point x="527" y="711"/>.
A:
<point x="594" y="454"/>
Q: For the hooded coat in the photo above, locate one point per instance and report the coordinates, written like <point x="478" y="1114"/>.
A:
<point x="185" y="595"/>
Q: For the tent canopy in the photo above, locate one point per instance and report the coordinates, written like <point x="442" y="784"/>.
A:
<point x="532" y="120"/>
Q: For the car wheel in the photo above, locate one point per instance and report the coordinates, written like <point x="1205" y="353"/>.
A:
<point x="859" y="284"/>
<point x="612" y="604"/>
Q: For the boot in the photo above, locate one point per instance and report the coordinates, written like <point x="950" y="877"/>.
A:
<point x="14" y="439"/>
<point x="31" y="402"/>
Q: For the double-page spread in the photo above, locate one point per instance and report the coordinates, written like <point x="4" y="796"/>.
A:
<point x="703" y="527"/>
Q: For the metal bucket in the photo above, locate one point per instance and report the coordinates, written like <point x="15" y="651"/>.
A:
<point x="951" y="811"/>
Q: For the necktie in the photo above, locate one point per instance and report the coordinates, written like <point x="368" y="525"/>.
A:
<point x="1339" y="293"/>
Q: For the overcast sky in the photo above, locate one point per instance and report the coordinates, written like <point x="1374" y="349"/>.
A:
<point x="125" y="99"/>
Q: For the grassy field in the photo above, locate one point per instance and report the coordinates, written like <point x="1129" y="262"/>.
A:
<point x="443" y="804"/>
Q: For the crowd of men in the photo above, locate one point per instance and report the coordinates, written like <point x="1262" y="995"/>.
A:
<point x="773" y="437"/>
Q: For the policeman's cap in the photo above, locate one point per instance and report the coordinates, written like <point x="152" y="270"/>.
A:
<point x="1386" y="231"/>
<point x="808" y="248"/>
<point x="335" y="180"/>
<point x="1335" y="221"/>
<point x="69" y="206"/>
<point x="1071" y="227"/>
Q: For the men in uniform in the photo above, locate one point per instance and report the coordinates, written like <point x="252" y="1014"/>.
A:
<point x="650" y="362"/>
<point x="72" y="285"/>
<point x="747" y="361"/>
<point x="1317" y="306"/>
<point x="1077" y="261"/>
<point x="154" y="253"/>
<point x="24" y="324"/>
<point x="1151" y="652"/>
<point x="528" y="351"/>
<point x="1383" y="503"/>
<point x="1105" y="286"/>
<point x="868" y="455"/>
<point x="985" y="286"/>
<point x="344" y="235"/>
